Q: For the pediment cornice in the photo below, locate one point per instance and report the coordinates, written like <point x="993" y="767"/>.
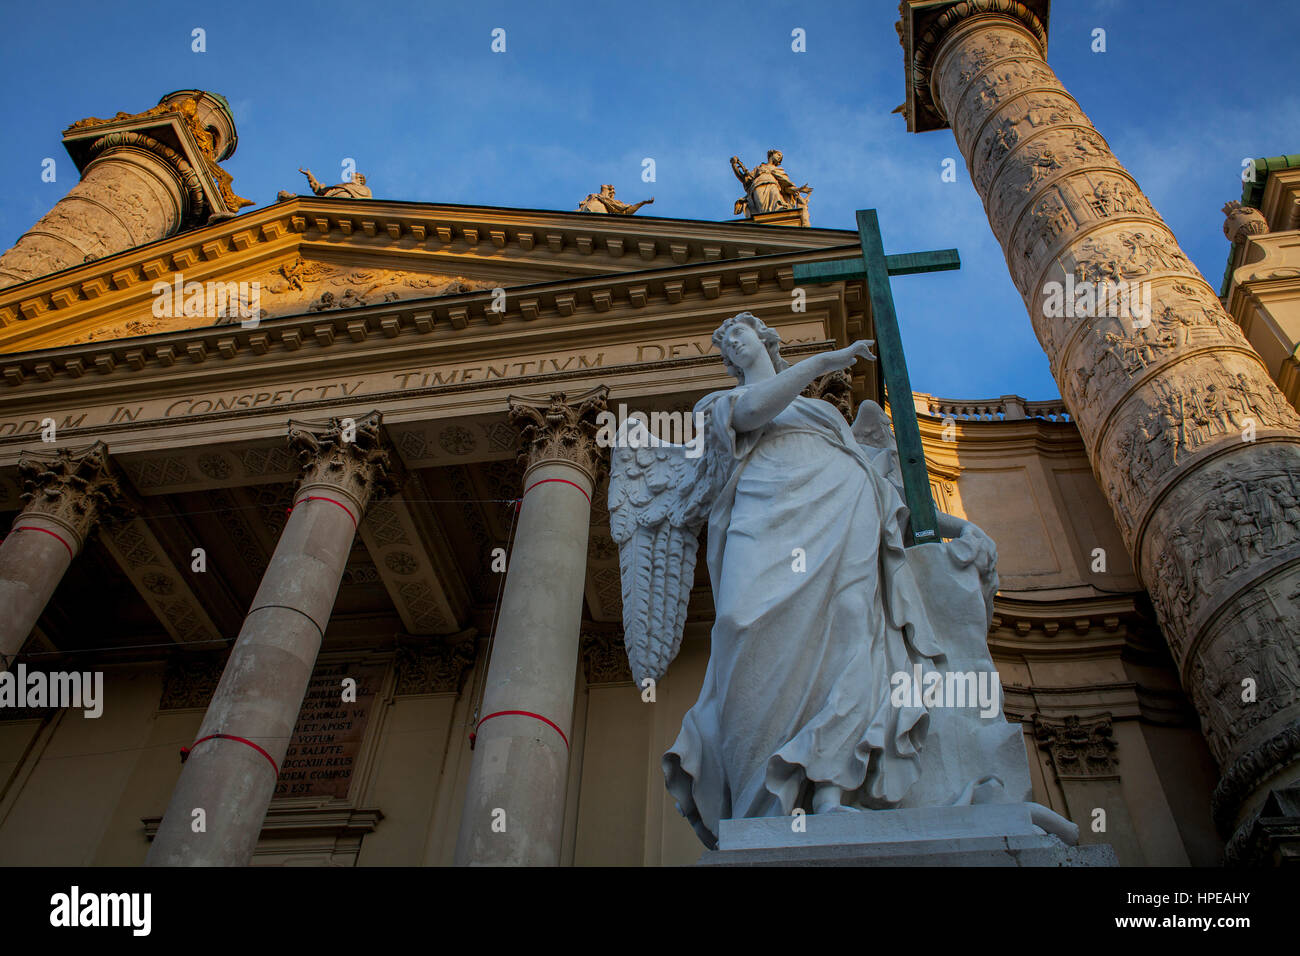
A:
<point x="509" y="247"/>
<point x="563" y="311"/>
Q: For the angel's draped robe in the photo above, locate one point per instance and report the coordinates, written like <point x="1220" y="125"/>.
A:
<point x="797" y="689"/>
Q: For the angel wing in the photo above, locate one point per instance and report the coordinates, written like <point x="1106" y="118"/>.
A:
<point x="659" y="498"/>
<point x="872" y="430"/>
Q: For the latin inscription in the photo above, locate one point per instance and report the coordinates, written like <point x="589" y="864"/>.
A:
<point x="405" y="379"/>
<point x="323" y="751"/>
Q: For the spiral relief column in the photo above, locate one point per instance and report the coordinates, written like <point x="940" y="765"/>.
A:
<point x="1193" y="445"/>
<point x="144" y="177"/>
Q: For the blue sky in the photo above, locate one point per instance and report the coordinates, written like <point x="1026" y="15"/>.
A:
<point x="585" y="91"/>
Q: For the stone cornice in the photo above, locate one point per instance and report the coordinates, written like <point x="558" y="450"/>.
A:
<point x="1101" y="623"/>
<point x="499" y="240"/>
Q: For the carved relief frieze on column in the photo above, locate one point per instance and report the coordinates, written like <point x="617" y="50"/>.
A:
<point x="1195" y="448"/>
<point x="144" y="176"/>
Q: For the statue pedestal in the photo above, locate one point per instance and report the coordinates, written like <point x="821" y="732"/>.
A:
<point x="980" y="835"/>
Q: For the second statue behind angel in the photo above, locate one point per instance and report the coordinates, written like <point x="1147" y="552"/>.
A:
<point x="818" y="604"/>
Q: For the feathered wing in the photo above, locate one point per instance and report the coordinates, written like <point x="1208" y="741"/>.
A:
<point x="659" y="498"/>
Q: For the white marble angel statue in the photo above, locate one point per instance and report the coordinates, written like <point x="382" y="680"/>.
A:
<point x="817" y="602"/>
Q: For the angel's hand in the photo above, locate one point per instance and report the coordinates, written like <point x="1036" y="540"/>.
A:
<point x="844" y="358"/>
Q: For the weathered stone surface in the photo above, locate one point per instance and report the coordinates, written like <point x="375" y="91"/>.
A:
<point x="232" y="770"/>
<point x="514" y="802"/>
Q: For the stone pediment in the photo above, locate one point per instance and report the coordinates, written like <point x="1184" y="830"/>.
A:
<point x="327" y="254"/>
<point x="296" y="287"/>
<point x="308" y="286"/>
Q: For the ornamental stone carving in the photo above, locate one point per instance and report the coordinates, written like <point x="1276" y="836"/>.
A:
<point x="191" y="679"/>
<point x="354" y="188"/>
<point x="75" y="489"/>
<point x="604" y="202"/>
<point x="604" y="659"/>
<point x="1080" y="747"/>
<point x="560" y="428"/>
<point x="769" y="189"/>
<point x="134" y="188"/>
<point x="1196" y="449"/>
<point x="351" y="455"/>
<point x="836" y="388"/>
<point x="1242" y="221"/>
<point x="435" y="666"/>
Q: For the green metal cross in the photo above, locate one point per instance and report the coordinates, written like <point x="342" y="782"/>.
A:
<point x="876" y="268"/>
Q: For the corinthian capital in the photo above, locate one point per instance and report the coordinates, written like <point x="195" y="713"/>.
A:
<point x="350" y="455"/>
<point x="556" y="428"/>
<point x="76" y="489"/>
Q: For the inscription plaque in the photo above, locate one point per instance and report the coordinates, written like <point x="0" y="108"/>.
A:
<point x="327" y="739"/>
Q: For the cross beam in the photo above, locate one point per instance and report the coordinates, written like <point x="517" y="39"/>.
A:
<point x="876" y="268"/>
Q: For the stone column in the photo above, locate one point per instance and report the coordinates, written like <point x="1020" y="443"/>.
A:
<point x="1196" y="450"/>
<point x="66" y="497"/>
<point x="514" y="802"/>
<point x="232" y="768"/>
<point x="143" y="177"/>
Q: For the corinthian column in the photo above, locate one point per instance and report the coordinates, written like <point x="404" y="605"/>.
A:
<point x="1196" y="450"/>
<point x="66" y="497"/>
<point x="232" y="768"/>
<point x="514" y="802"/>
<point x="143" y="177"/>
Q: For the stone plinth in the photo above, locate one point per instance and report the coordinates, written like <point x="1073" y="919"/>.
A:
<point x="981" y="835"/>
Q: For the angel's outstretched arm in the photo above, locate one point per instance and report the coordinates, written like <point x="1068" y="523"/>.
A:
<point x="763" y="401"/>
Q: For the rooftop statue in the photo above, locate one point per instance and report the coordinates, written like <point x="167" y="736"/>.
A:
<point x="604" y="202"/>
<point x="819" y="606"/>
<point x="768" y="188"/>
<point x="355" y="189"/>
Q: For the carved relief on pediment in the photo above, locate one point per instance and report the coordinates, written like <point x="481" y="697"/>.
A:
<point x="291" y="288"/>
<point x="306" y="286"/>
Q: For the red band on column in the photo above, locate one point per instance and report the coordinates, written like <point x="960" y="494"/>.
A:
<point x="28" y="527"/>
<point x="331" y="500"/>
<point x="563" y="480"/>
<point x="525" y="713"/>
<point x="185" y="751"/>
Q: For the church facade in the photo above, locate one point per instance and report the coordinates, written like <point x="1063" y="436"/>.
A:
<point x="316" y="489"/>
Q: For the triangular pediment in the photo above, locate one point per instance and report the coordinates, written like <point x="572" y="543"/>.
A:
<point x="314" y="254"/>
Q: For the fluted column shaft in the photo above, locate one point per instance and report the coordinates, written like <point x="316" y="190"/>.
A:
<point x="232" y="768"/>
<point x="1195" y="448"/>
<point x="65" y="498"/>
<point x="514" y="802"/>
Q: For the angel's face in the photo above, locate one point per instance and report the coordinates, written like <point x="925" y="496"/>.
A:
<point x="744" y="348"/>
